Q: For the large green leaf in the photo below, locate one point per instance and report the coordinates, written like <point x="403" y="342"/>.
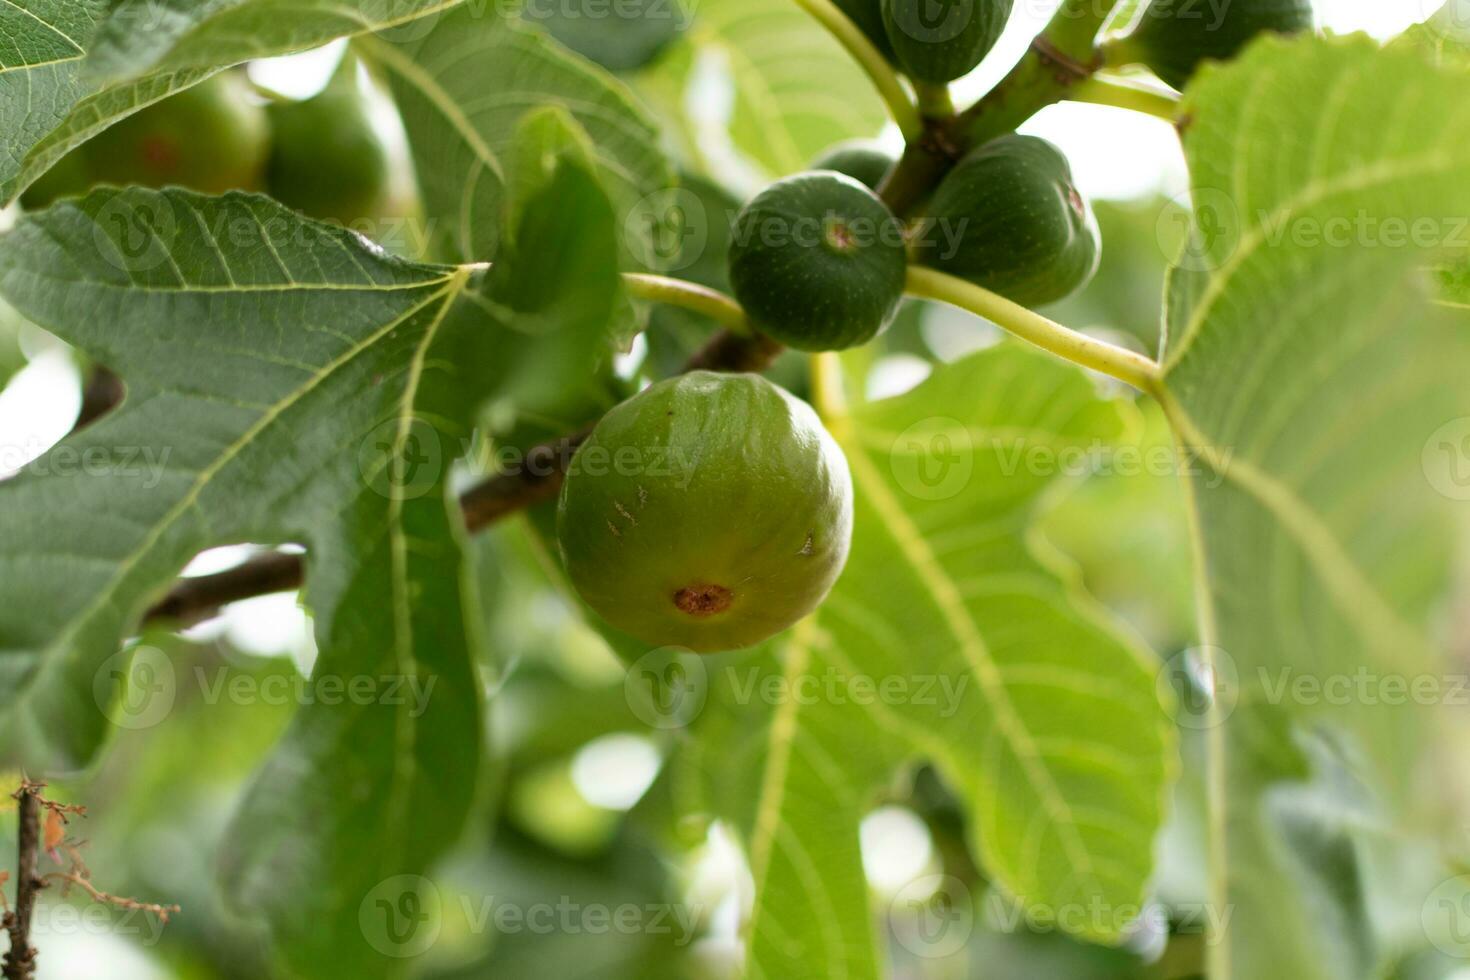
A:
<point x="71" y="68"/>
<point x="287" y="382"/>
<point x="147" y="36"/>
<point x="1308" y="366"/>
<point x="463" y="90"/>
<point x="1036" y="709"/>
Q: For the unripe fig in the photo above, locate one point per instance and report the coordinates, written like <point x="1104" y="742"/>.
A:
<point x="818" y="262"/>
<point x="327" y="159"/>
<point x="210" y="138"/>
<point x="1009" y="218"/>
<point x="1172" y="37"/>
<point x="937" y="41"/>
<point x="709" y="512"/>
<point x="865" y="161"/>
<point x="868" y="16"/>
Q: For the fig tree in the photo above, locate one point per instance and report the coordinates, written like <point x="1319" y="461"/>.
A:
<point x="1172" y="37"/>
<point x="211" y="138"/>
<point x="865" y="161"/>
<point x="1009" y="218"/>
<point x="709" y="512"/>
<point x="327" y="159"/>
<point x="937" y="41"/>
<point x="818" y="261"/>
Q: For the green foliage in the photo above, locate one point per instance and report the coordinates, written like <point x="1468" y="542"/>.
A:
<point x="865" y="161"/>
<point x="1174" y="38"/>
<point x="938" y="43"/>
<point x="707" y="512"/>
<point x="818" y="262"/>
<point x="620" y="37"/>
<point x="1010" y="219"/>
<point x="210" y="138"/>
<point x="868" y="15"/>
<point x="327" y="160"/>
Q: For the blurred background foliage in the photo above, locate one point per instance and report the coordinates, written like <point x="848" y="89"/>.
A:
<point x="578" y="814"/>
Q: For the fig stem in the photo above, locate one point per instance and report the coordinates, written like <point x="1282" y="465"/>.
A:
<point x="1147" y="99"/>
<point x="1125" y="365"/>
<point x="690" y="296"/>
<point x="890" y="88"/>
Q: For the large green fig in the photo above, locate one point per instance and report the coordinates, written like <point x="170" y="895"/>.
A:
<point x="818" y="262"/>
<point x="868" y="16"/>
<point x="211" y="138"/>
<point x="865" y="161"/>
<point x="937" y="41"/>
<point x="1172" y="37"/>
<point x="709" y="512"/>
<point x="1009" y="218"/>
<point x="327" y="159"/>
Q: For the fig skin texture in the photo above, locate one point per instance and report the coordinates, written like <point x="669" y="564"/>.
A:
<point x="868" y="16"/>
<point x="210" y="138"/>
<point x="708" y="512"/>
<point x="938" y="41"/>
<point x="1023" y="229"/>
<point x="1173" y="37"/>
<point x="865" y="161"/>
<point x="818" y="262"/>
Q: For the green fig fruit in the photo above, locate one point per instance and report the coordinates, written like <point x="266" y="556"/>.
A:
<point x="868" y="16"/>
<point x="709" y="512"/>
<point x="1009" y="218"/>
<point x="818" y="262"/>
<point x="1172" y="37"/>
<point x="327" y="159"/>
<point x="937" y="41"/>
<point x="211" y="138"/>
<point x="865" y="161"/>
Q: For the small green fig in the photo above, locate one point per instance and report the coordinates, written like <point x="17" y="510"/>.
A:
<point x="709" y="512"/>
<point x="211" y="138"/>
<point x="937" y="41"/>
<point x="327" y="159"/>
<point x="1009" y="218"/>
<point x="818" y="262"/>
<point x="1173" y="37"/>
<point x="865" y="161"/>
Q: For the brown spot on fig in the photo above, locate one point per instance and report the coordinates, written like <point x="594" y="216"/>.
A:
<point x="626" y="516"/>
<point x="809" y="549"/>
<point x="703" y="600"/>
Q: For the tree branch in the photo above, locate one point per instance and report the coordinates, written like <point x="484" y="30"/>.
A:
<point x="20" y="960"/>
<point x="537" y="479"/>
